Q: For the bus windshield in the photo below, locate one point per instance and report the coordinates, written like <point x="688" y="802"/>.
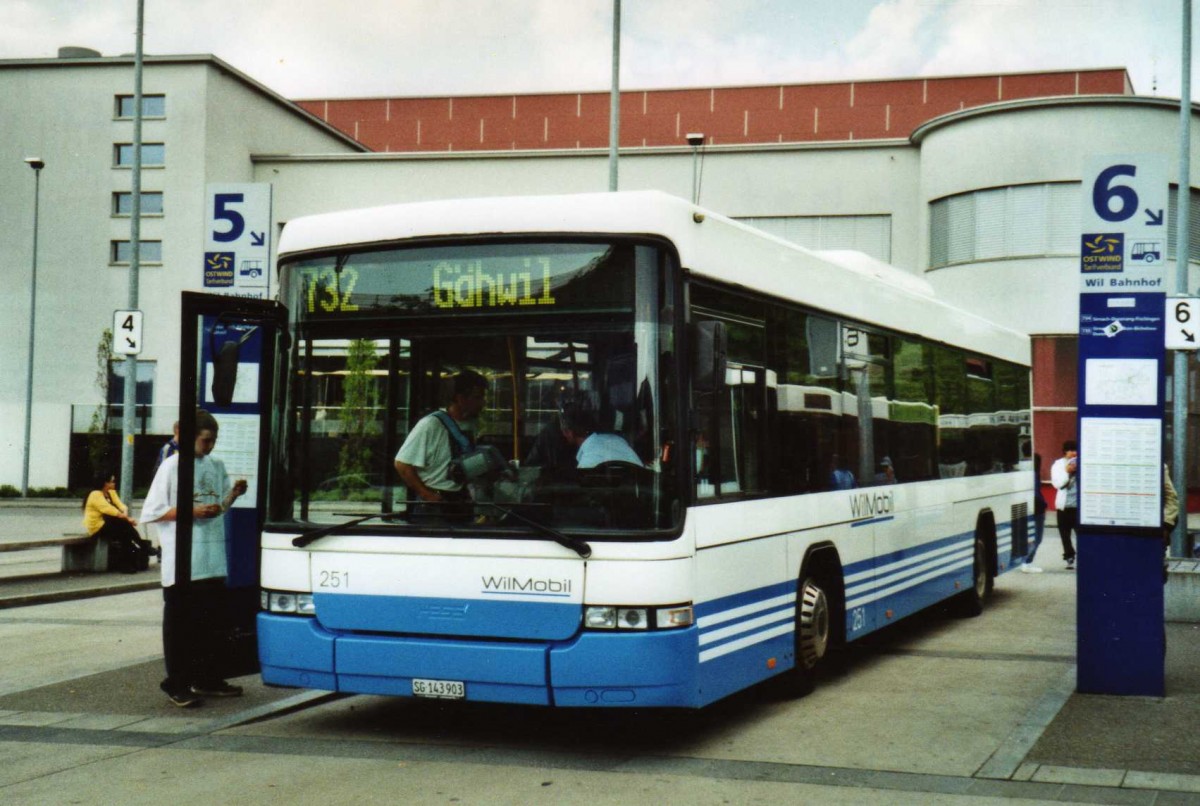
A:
<point x="574" y="341"/>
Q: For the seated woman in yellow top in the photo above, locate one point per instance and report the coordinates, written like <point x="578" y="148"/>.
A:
<point x="105" y="516"/>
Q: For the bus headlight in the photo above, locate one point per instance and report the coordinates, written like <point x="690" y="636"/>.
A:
<point x="287" y="602"/>
<point x="669" y="617"/>
<point x="600" y="618"/>
<point x="610" y="617"/>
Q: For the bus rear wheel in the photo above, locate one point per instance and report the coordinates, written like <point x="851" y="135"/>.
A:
<point x="813" y="630"/>
<point x="971" y="602"/>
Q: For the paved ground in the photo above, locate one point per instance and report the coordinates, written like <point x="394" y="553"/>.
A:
<point x="936" y="710"/>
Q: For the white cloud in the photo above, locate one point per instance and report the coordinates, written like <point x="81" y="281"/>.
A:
<point x="892" y="41"/>
<point x="316" y="48"/>
<point x="1026" y="35"/>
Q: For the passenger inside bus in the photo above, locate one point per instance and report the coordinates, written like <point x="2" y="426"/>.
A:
<point x="577" y="441"/>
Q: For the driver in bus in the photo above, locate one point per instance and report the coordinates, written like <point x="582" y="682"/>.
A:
<point x="579" y="419"/>
<point x="425" y="458"/>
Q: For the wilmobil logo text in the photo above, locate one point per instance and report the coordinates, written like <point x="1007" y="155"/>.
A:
<point x="527" y="585"/>
<point x="872" y="505"/>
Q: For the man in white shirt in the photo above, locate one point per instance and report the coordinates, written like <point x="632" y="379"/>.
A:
<point x="1064" y="475"/>
<point x="192" y="621"/>
<point x="579" y="417"/>
<point x="424" y="460"/>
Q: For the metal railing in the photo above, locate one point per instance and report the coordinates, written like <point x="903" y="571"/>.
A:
<point x="148" y="419"/>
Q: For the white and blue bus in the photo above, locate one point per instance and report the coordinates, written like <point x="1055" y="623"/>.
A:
<point x="822" y="448"/>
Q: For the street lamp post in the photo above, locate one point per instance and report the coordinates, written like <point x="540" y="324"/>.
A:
<point x="37" y="165"/>
<point x="695" y="140"/>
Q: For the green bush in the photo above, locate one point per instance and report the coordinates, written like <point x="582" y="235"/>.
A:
<point x="50" y="492"/>
<point x="9" y="491"/>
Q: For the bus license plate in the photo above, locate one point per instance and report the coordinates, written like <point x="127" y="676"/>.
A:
<point x="439" y="689"/>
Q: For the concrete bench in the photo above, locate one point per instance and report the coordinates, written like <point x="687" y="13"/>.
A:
<point x="79" y="552"/>
<point x="84" y="553"/>
<point x="1182" y="593"/>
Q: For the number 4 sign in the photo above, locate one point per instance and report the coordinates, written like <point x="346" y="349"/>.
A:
<point x="127" y="332"/>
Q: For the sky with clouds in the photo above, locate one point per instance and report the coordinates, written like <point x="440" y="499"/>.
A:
<point x="326" y="49"/>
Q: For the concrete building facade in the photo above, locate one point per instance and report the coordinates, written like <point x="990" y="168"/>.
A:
<point x="205" y="121"/>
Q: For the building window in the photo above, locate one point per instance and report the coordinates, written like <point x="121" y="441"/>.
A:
<point x="120" y="252"/>
<point x="153" y="154"/>
<point x="1193" y="224"/>
<point x="871" y="234"/>
<point x="143" y="394"/>
<point x="998" y="223"/>
<point x="153" y="106"/>
<point x="1024" y="221"/>
<point x="152" y="203"/>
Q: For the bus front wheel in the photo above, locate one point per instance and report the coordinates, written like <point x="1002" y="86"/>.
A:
<point x="813" y="630"/>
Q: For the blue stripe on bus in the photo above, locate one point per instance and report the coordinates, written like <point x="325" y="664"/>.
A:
<point x="745" y="638"/>
<point x="744" y="619"/>
<point x="883" y="519"/>
<point x="883" y="589"/>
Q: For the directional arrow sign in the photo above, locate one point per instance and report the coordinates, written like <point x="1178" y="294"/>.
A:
<point x="237" y="242"/>
<point x="1124" y="237"/>
<point x="127" y="332"/>
<point x="1183" y="324"/>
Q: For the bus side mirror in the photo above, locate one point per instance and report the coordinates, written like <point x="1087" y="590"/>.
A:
<point x="225" y="363"/>
<point x="225" y="367"/>
<point x="712" y="345"/>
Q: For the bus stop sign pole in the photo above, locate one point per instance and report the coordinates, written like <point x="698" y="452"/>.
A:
<point x="1120" y="624"/>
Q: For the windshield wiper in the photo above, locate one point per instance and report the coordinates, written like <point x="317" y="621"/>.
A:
<point x="575" y="544"/>
<point x="325" y="531"/>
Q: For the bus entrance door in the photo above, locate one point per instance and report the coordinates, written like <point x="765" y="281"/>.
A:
<point x="228" y="369"/>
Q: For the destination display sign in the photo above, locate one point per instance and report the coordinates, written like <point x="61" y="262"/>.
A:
<point x="480" y="279"/>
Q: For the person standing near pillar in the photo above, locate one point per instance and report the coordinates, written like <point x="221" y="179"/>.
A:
<point x="194" y="617"/>
<point x="1064" y="475"/>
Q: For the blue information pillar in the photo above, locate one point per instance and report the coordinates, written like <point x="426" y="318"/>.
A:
<point x="1120" y="630"/>
<point x="1120" y="590"/>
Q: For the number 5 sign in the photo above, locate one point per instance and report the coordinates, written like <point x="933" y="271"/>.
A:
<point x="237" y="239"/>
<point x="1123" y="245"/>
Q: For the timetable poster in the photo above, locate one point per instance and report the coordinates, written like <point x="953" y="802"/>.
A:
<point x="1120" y="472"/>
<point x="237" y="447"/>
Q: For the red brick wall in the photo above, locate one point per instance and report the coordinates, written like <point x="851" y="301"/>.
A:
<point x="772" y="114"/>
<point x="1055" y="385"/>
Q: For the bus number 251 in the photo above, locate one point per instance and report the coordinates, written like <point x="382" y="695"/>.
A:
<point x="334" y="579"/>
<point x="858" y="619"/>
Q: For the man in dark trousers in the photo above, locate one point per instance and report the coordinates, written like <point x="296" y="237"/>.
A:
<point x="191" y="620"/>
<point x="1064" y="475"/>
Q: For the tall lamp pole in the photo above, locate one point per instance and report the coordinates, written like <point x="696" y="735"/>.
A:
<point x="37" y="165"/>
<point x="1179" y="414"/>
<point x="695" y="140"/>
<point x="129" y="401"/>
<point x="614" y="99"/>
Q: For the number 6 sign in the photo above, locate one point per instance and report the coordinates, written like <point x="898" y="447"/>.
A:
<point x="1123" y="242"/>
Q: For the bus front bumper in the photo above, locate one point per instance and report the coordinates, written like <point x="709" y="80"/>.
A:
<point x="601" y="669"/>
